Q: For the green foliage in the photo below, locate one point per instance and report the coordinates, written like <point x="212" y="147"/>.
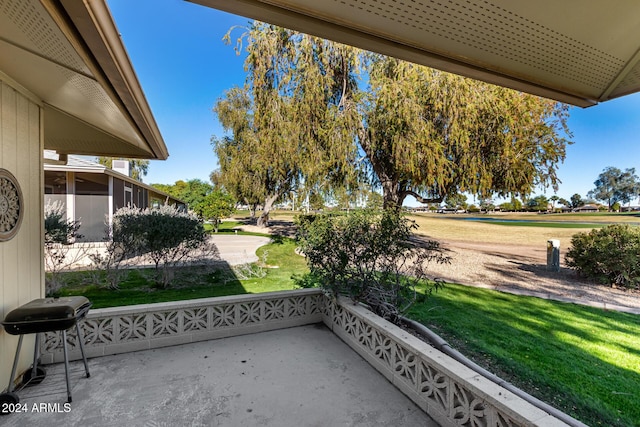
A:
<point x="538" y="204"/>
<point x="367" y="256"/>
<point x="305" y="115"/>
<point x="610" y="255"/>
<point x="137" y="286"/>
<point x="456" y="201"/>
<point x="57" y="228"/>
<point x="374" y="200"/>
<point x="165" y="236"/>
<point x="614" y="185"/>
<point x="289" y="124"/>
<point x="431" y="133"/>
<point x="576" y="201"/>
<point x="215" y="206"/>
<point x="192" y="192"/>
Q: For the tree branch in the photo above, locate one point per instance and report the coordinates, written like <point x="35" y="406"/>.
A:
<point x="422" y="199"/>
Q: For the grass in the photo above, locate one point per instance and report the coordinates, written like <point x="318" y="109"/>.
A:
<point x="230" y="227"/>
<point x="582" y="360"/>
<point x="136" y="288"/>
<point x="545" y="224"/>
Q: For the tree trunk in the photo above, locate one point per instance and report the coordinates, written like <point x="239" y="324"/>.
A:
<point x="252" y="210"/>
<point x="392" y="196"/>
<point x="263" y="220"/>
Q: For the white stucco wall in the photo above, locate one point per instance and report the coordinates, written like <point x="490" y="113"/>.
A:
<point x="21" y="262"/>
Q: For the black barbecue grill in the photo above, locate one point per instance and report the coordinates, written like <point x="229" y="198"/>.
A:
<point x="36" y="317"/>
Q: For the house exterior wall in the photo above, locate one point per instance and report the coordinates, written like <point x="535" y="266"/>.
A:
<point x="21" y="258"/>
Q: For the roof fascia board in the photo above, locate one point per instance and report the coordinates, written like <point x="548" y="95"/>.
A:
<point x="89" y="27"/>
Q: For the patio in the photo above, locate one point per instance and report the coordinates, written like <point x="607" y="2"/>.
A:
<point x="277" y="358"/>
<point x="301" y="376"/>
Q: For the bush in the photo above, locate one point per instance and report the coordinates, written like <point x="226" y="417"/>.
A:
<point x="610" y="255"/>
<point x="368" y="256"/>
<point x="165" y="236"/>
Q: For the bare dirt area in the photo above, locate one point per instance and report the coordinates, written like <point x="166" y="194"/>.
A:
<point x="522" y="269"/>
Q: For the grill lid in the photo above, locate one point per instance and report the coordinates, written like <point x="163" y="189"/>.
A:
<point x="46" y="314"/>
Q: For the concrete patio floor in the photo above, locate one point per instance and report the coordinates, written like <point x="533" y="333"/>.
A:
<point x="304" y="376"/>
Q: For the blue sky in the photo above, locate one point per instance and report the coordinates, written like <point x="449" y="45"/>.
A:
<point x="183" y="66"/>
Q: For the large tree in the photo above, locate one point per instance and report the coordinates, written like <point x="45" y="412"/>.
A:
<point x="292" y="122"/>
<point x="614" y="185"/>
<point x="429" y="134"/>
<point x="576" y="201"/>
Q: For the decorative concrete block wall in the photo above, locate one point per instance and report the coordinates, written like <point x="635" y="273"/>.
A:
<point x="451" y="393"/>
<point x="140" y="327"/>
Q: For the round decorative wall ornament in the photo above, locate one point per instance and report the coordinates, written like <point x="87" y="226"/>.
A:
<point x="11" y="205"/>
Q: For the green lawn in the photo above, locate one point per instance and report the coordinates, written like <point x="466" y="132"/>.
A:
<point x="582" y="360"/>
<point x="282" y="263"/>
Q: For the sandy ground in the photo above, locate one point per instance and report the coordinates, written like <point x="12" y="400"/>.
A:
<point x="523" y="268"/>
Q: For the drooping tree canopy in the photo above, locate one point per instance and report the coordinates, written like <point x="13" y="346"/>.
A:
<point x="312" y="107"/>
<point x="290" y="122"/>
<point x="430" y="134"/>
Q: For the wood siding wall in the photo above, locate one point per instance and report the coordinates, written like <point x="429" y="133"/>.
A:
<point x="21" y="258"/>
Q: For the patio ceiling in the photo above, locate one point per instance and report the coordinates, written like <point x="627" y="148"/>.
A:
<point x="69" y="56"/>
<point x="575" y="51"/>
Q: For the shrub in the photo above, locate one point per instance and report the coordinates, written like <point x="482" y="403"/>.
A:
<point x="610" y="255"/>
<point x="165" y="236"/>
<point x="108" y="266"/>
<point x="368" y="256"/>
<point x="59" y="234"/>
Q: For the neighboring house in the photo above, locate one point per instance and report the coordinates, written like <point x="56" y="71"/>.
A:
<point x="92" y="193"/>
<point x="586" y="208"/>
<point x="66" y="84"/>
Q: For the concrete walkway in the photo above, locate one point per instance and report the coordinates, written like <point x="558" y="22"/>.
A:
<point x="238" y="249"/>
<point x="303" y="376"/>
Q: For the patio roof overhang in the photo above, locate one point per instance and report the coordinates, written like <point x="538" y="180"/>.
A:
<point x="69" y="56"/>
<point x="575" y="51"/>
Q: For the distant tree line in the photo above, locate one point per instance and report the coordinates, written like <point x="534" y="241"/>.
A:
<point x="211" y="203"/>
